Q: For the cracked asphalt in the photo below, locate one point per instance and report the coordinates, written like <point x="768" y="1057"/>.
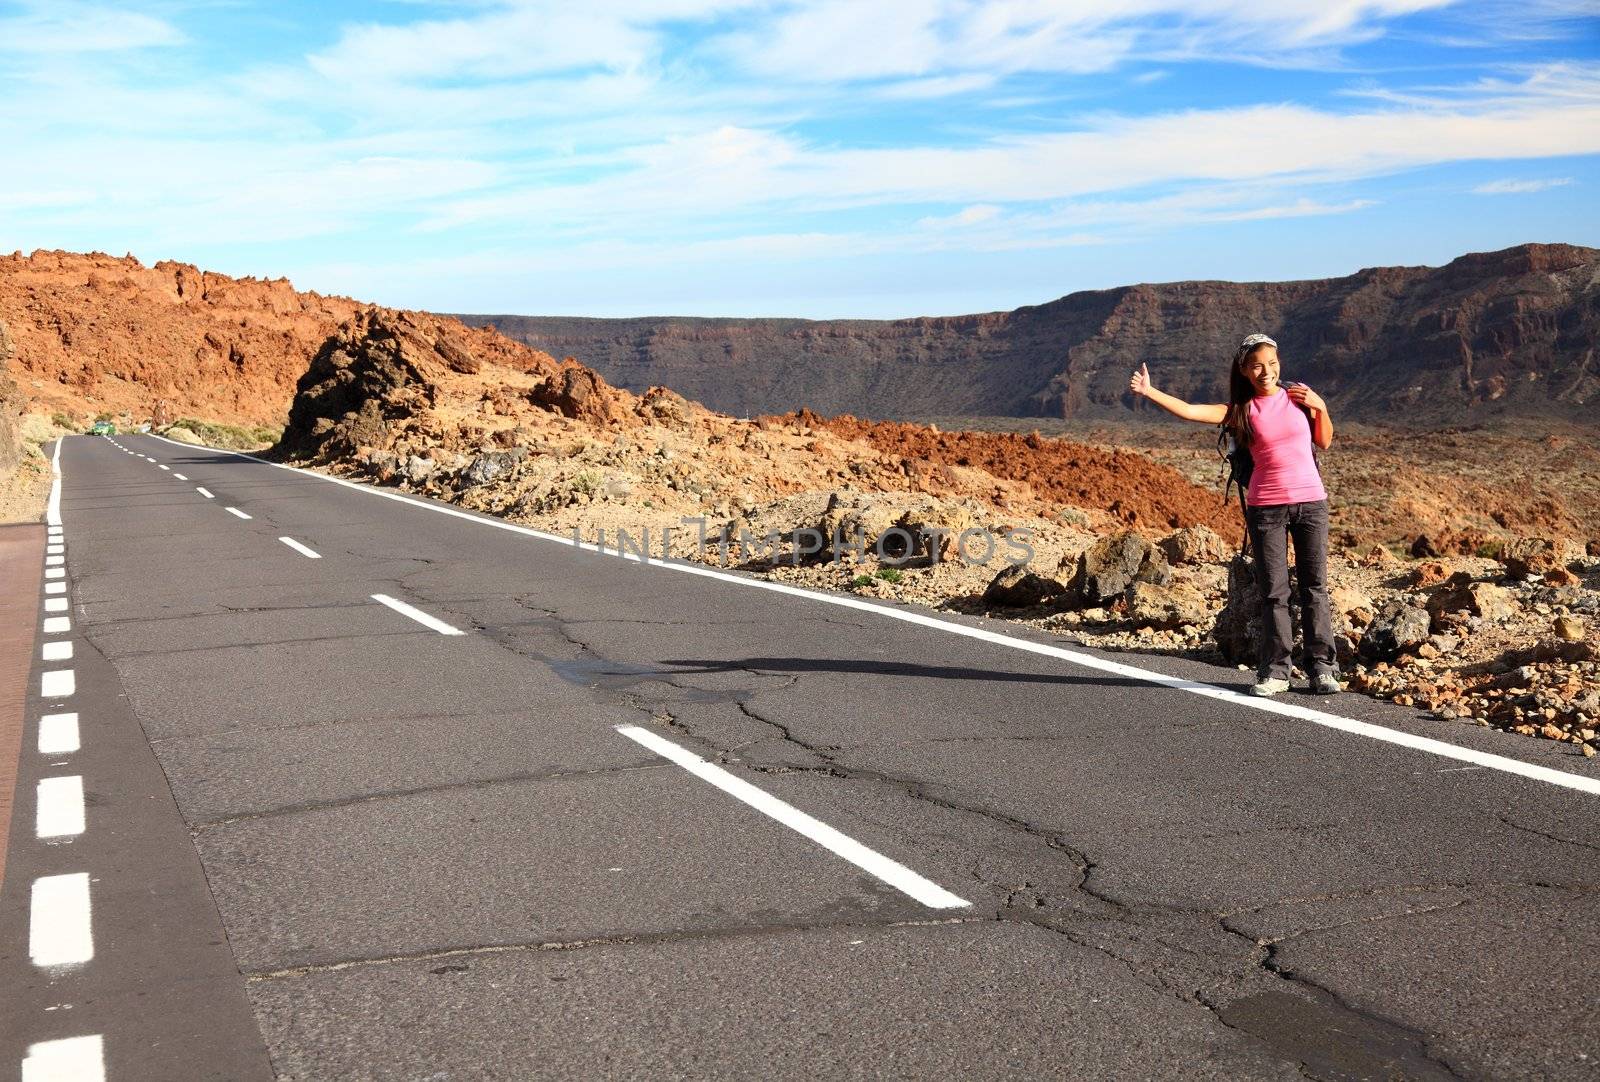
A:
<point x="330" y="843"/>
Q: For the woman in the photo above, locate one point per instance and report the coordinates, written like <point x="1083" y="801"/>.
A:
<point x="1285" y="498"/>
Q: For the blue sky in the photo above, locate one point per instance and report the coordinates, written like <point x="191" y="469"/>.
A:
<point x="874" y="158"/>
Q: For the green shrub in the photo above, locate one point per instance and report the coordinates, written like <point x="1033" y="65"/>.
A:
<point x="889" y="574"/>
<point x="861" y="580"/>
<point x="61" y="420"/>
<point x="236" y="437"/>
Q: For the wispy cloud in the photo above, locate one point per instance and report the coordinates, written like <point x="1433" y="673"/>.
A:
<point x="1518" y="187"/>
<point x="644" y="132"/>
<point x="67" y="28"/>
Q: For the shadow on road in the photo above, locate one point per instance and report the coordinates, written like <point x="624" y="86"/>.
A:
<point x="891" y="668"/>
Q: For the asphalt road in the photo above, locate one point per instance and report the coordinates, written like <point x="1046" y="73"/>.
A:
<point x="320" y="838"/>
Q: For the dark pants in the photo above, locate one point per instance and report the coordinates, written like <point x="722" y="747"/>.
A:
<point x="1271" y="528"/>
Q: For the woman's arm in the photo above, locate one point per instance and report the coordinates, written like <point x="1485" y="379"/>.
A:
<point x="1321" y="420"/>
<point x="1211" y="413"/>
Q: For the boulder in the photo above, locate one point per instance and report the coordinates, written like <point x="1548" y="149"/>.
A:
<point x="851" y="523"/>
<point x="1195" y="545"/>
<point x="1569" y="628"/>
<point x="1238" y="626"/>
<point x="1172" y="605"/>
<point x="1018" y="588"/>
<point x="456" y="356"/>
<point x="935" y="530"/>
<point x="1344" y="600"/>
<point x="1460" y="595"/>
<point x="183" y="435"/>
<point x="661" y="406"/>
<point x="370" y="373"/>
<point x="1397" y="627"/>
<point x="1112" y="564"/>
<point x="1427" y="573"/>
<point x="1423" y="546"/>
<point x="418" y="469"/>
<point x="482" y="470"/>
<point x="579" y="393"/>
<point x="1531" y="557"/>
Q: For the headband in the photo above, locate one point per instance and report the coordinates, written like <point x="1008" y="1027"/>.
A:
<point x="1257" y="340"/>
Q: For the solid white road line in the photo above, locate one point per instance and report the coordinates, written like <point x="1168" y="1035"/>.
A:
<point x="55" y="587"/>
<point x="56" y="625"/>
<point x="56" y="604"/>
<point x="301" y="549"/>
<point x="204" y="493"/>
<point x="179" y="477"/>
<point x="59" y="812"/>
<point x="57" y="684"/>
<point x="417" y="614"/>
<point x="56" y="651"/>
<point x="1502" y="763"/>
<point x="58" y="734"/>
<point x="52" y="507"/>
<point x="59" y="924"/>
<point x="895" y="874"/>
<point x="236" y="511"/>
<point x="74" y="1059"/>
<point x="55" y="573"/>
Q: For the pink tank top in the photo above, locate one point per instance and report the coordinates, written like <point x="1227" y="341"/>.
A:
<point x="1285" y="471"/>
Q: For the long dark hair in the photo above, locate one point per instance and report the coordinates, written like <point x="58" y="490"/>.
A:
<point x="1240" y="392"/>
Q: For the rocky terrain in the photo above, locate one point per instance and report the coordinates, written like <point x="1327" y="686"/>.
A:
<point x="1488" y="335"/>
<point x="1098" y="543"/>
<point x="1466" y="567"/>
<point x="98" y="335"/>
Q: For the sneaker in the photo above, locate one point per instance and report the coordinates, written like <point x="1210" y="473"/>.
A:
<point x="1325" y="683"/>
<point x="1272" y="685"/>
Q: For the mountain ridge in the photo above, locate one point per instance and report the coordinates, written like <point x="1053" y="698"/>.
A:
<point x="1509" y="333"/>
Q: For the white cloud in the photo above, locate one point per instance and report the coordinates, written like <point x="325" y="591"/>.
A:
<point x="731" y="170"/>
<point x="1519" y="187"/>
<point x="973" y="215"/>
<point x="66" y="28"/>
<point x="853" y="40"/>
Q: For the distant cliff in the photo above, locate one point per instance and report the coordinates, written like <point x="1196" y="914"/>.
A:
<point x="1509" y="333"/>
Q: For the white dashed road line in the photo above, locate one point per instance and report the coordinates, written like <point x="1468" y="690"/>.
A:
<point x="56" y="625"/>
<point x="418" y="615"/>
<point x="60" y="928"/>
<point x="301" y="549"/>
<point x="57" y="684"/>
<point x="236" y="511"/>
<point x="892" y="872"/>
<point x="1428" y="745"/>
<point x="58" y="734"/>
<point x="204" y="493"/>
<point x="55" y="587"/>
<point x="56" y="651"/>
<point x="74" y="1059"/>
<point x="160" y="467"/>
<point x="55" y="604"/>
<point x="179" y="477"/>
<point x="59" y="812"/>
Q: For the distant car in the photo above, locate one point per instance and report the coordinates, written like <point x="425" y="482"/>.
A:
<point x="103" y="428"/>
